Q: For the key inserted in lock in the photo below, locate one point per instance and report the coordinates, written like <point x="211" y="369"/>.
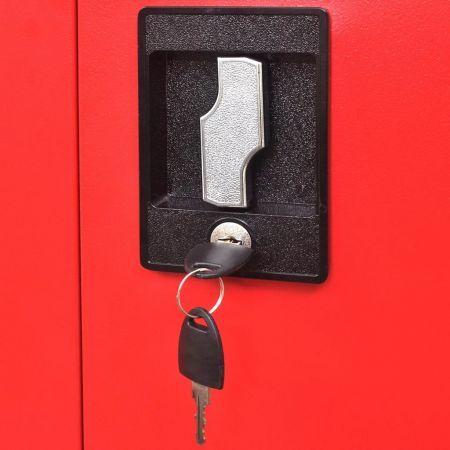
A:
<point x="232" y="132"/>
<point x="228" y="251"/>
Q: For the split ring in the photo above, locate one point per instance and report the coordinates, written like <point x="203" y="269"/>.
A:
<point x="180" y="287"/>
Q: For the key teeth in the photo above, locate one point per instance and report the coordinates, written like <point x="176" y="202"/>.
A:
<point x="200" y="394"/>
<point x="202" y="436"/>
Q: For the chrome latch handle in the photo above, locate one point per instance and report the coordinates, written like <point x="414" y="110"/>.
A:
<point x="232" y="132"/>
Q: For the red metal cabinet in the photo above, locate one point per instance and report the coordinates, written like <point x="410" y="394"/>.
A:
<point x="40" y="375"/>
<point x="360" y="362"/>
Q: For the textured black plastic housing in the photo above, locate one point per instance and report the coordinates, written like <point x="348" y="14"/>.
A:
<point x="287" y="219"/>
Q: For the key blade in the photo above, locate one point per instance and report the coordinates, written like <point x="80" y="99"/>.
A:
<point x="201" y="397"/>
<point x="201" y="392"/>
<point x="200" y="419"/>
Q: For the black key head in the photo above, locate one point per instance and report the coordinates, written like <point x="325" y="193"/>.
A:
<point x="221" y="258"/>
<point x="200" y="351"/>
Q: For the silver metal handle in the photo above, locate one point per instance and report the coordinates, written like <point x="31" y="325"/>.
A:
<point x="232" y="132"/>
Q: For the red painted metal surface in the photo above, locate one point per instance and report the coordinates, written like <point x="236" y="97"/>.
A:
<point x="360" y="362"/>
<point x="40" y="388"/>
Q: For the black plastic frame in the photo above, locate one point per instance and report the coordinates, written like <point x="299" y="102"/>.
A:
<point x="321" y="138"/>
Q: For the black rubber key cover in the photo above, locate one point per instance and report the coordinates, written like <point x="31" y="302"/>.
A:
<point x="221" y="258"/>
<point x="200" y="351"/>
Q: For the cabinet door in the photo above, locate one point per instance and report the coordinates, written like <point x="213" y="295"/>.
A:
<point x="359" y="362"/>
<point x="40" y="374"/>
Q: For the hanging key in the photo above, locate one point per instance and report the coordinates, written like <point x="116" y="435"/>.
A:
<point x="200" y="359"/>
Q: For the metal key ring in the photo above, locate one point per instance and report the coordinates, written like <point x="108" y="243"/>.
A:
<point x="180" y="287"/>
